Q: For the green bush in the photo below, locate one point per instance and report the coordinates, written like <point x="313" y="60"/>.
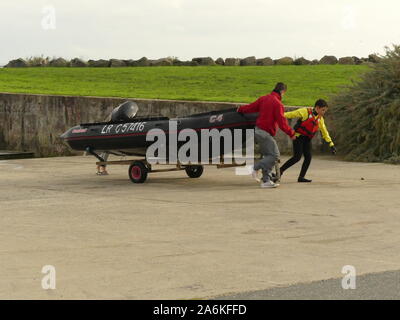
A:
<point x="366" y="116"/>
<point x="38" y="61"/>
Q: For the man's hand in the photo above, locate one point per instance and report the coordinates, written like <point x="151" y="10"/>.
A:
<point x="333" y="150"/>
<point x="293" y="137"/>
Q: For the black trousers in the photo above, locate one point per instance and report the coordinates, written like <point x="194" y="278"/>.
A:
<point x="301" y="146"/>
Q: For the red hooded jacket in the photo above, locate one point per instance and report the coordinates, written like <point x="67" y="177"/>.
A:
<point x="271" y="114"/>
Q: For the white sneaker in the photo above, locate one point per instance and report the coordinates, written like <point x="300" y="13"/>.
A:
<point x="255" y="176"/>
<point x="269" y="184"/>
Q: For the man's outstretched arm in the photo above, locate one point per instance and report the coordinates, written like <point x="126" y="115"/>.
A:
<point x="282" y="122"/>
<point x="250" y="108"/>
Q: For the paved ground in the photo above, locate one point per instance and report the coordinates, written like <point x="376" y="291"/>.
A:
<point x="374" y="286"/>
<point x="180" y="238"/>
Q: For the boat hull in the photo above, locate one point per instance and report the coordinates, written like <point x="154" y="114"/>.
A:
<point x="133" y="138"/>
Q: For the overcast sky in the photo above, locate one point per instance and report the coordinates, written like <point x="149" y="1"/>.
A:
<point x="130" y="29"/>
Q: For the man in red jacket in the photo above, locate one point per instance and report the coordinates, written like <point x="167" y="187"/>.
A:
<point x="271" y="116"/>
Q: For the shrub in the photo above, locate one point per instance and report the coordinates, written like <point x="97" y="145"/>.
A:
<point x="366" y="115"/>
<point x="38" y="61"/>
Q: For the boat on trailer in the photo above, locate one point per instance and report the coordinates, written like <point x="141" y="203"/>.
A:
<point x="125" y="135"/>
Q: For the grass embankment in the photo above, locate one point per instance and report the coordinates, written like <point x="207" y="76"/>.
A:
<point x="231" y="84"/>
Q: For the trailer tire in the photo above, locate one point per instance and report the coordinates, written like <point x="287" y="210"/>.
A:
<point x="194" y="171"/>
<point x="138" y="172"/>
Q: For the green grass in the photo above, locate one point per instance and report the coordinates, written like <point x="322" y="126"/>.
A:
<point x="231" y="84"/>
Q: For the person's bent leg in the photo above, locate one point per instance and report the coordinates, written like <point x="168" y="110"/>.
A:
<point x="269" y="150"/>
<point x="307" y="160"/>
<point x="297" y="153"/>
<point x="103" y="168"/>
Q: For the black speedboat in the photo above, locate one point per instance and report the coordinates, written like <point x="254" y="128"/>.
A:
<point x="125" y="134"/>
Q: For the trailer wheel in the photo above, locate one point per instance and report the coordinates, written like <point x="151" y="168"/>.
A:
<point x="194" y="171"/>
<point x="138" y="172"/>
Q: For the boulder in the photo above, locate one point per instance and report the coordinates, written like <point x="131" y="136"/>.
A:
<point x="301" y="61"/>
<point x="265" y="62"/>
<point x="59" y="62"/>
<point x="204" y="61"/>
<point x="161" y="62"/>
<point x="220" y="61"/>
<point x="129" y="62"/>
<point x="232" y="62"/>
<point x="328" y="60"/>
<point x="17" y="63"/>
<point x="79" y="63"/>
<point x="99" y="63"/>
<point x="178" y="63"/>
<point x="114" y="63"/>
<point x="285" y="61"/>
<point x="249" y="61"/>
<point x="191" y="63"/>
<point x="346" y="60"/>
<point x="142" y="62"/>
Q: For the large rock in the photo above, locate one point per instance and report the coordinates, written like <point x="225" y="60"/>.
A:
<point x="178" y="63"/>
<point x="265" y="62"/>
<point x="129" y="62"/>
<point x="346" y="60"/>
<point x="301" y="61"/>
<point x="117" y="63"/>
<point x="249" y="61"/>
<point x="232" y="62"/>
<point x="79" y="63"/>
<point x="328" y="60"/>
<point x="204" y="61"/>
<point x="161" y="62"/>
<point x="59" y="62"/>
<point x="220" y="61"/>
<point x="190" y="63"/>
<point x="17" y="63"/>
<point x="142" y="62"/>
<point x="285" y="61"/>
<point x="99" y="63"/>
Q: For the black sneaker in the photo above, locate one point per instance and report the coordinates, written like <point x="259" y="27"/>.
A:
<point x="303" y="180"/>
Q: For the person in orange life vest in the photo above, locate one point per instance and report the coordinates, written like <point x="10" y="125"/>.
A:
<point x="270" y="116"/>
<point x="310" y="121"/>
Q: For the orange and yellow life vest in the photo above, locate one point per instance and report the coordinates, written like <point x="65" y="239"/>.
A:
<point x="308" y="127"/>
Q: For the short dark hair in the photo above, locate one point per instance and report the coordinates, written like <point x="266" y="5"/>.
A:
<point x="321" y="103"/>
<point x="280" y="86"/>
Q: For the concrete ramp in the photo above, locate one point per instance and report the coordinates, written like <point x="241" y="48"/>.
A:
<point x="7" y="155"/>
<point x="179" y="238"/>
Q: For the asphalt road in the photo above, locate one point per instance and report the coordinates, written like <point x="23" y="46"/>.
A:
<point x="376" y="286"/>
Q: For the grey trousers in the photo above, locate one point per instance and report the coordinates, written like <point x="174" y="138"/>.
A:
<point x="269" y="151"/>
<point x="105" y="155"/>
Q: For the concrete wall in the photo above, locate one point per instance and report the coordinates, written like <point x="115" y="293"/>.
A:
<point x="35" y="122"/>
